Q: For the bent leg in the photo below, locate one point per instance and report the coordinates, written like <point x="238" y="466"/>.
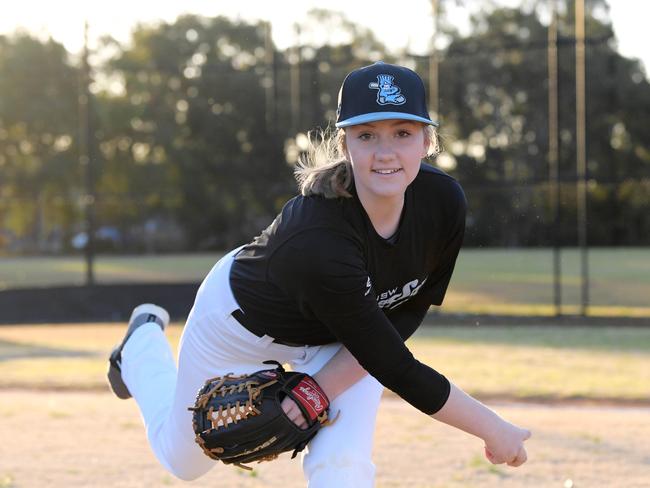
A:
<point x="341" y="454"/>
<point x="149" y="371"/>
<point x="211" y="345"/>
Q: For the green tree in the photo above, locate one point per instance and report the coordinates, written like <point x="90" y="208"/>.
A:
<point x="190" y="128"/>
<point x="39" y="173"/>
<point x="494" y="103"/>
<point x="195" y="126"/>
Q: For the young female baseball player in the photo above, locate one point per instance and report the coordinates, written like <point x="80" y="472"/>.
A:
<point x="334" y="286"/>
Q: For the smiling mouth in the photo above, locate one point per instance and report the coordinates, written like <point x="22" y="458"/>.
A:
<point x="386" y="171"/>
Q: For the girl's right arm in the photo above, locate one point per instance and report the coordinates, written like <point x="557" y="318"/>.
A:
<point x="504" y="442"/>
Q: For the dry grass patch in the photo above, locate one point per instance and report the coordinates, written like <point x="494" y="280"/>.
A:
<point x="538" y="363"/>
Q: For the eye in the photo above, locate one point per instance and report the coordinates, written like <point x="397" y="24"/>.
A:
<point x="403" y="133"/>
<point x="365" y="136"/>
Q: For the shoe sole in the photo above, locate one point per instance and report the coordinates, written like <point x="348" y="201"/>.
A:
<point x="114" y="375"/>
<point x="142" y="314"/>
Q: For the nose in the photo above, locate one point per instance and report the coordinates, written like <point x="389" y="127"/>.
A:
<point x="384" y="151"/>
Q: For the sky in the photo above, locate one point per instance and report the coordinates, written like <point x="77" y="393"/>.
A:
<point x="63" y="20"/>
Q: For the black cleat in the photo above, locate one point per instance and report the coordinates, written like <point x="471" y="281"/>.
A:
<point x="142" y="314"/>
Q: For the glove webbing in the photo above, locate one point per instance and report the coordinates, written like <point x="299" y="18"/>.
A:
<point x="229" y="413"/>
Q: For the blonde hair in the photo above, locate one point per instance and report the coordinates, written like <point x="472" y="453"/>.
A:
<point x="325" y="169"/>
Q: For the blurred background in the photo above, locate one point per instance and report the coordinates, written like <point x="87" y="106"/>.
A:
<point x="139" y="141"/>
<point x="138" y="144"/>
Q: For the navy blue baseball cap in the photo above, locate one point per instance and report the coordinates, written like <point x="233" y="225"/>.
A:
<point x="382" y="91"/>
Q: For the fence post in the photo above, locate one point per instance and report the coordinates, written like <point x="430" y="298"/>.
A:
<point x="581" y="153"/>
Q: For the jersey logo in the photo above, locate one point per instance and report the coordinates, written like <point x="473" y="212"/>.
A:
<point x="388" y="93"/>
<point x="392" y="298"/>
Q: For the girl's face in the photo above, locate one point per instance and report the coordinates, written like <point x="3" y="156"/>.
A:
<point x="385" y="156"/>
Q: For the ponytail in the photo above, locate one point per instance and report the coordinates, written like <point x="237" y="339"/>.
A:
<point x="325" y="169"/>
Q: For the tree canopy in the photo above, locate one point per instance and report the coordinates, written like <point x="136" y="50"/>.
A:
<point x="198" y="120"/>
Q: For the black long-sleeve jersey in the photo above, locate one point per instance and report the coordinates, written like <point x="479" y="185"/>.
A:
<point x="320" y="273"/>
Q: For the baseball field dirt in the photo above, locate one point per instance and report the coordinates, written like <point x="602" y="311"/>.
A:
<point x="91" y="439"/>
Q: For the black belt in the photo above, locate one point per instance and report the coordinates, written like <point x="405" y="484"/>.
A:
<point x="239" y="316"/>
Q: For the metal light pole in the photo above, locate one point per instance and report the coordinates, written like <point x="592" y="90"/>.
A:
<point x="269" y="79"/>
<point x="553" y="157"/>
<point x="86" y="146"/>
<point x="433" y="64"/>
<point x="581" y="153"/>
<point x="294" y="83"/>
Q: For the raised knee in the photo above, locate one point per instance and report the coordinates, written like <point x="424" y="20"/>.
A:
<point x="185" y="473"/>
<point x="186" y="467"/>
<point x="339" y="466"/>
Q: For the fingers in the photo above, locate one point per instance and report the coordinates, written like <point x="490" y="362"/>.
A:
<point x="493" y="458"/>
<point x="293" y="412"/>
<point x="520" y="458"/>
<point x="509" y="449"/>
<point x="522" y="455"/>
<point x="490" y="457"/>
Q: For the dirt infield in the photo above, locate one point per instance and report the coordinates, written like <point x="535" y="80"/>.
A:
<point x="90" y="439"/>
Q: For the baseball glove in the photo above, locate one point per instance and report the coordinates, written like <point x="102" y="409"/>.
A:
<point x="239" y="419"/>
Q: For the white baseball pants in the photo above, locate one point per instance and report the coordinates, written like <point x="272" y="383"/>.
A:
<point x="214" y="343"/>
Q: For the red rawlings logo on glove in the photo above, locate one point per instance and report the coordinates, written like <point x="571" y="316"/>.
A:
<point x="311" y="396"/>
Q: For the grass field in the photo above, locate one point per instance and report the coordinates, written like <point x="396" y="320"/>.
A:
<point x="518" y="281"/>
<point x="501" y="281"/>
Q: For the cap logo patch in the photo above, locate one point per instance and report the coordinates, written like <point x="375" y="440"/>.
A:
<point x="387" y="92"/>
